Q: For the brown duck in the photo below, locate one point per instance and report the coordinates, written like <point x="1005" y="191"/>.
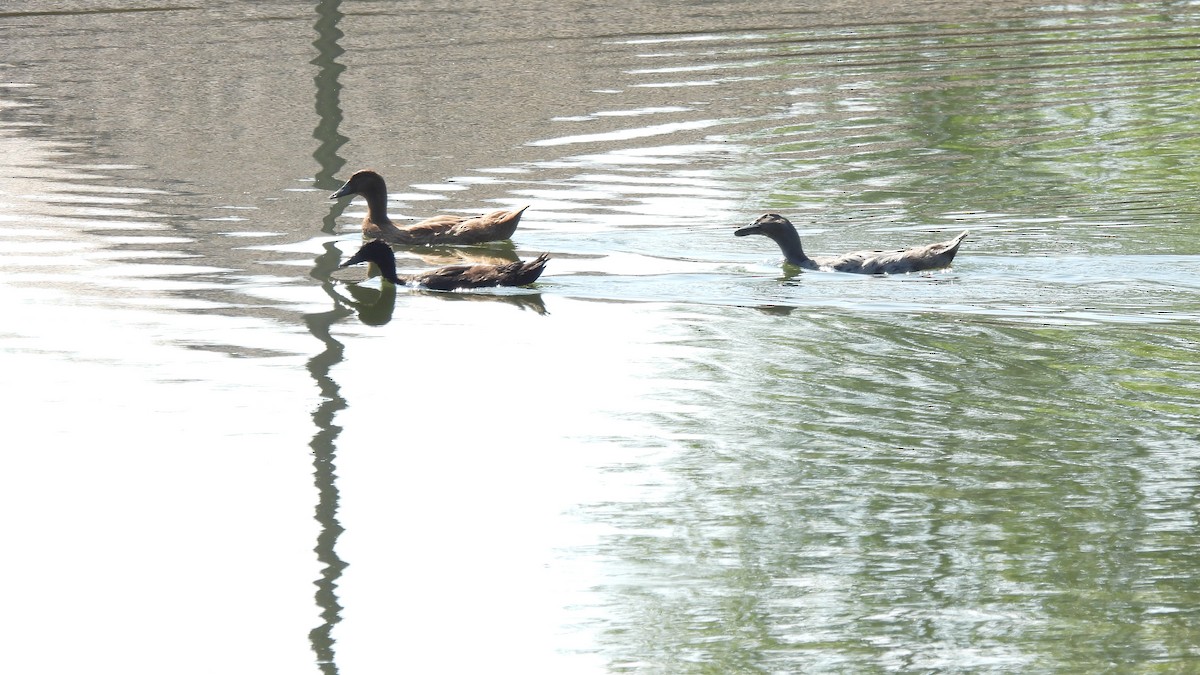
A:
<point x="916" y="259"/>
<point x="445" y="229"/>
<point x="518" y="273"/>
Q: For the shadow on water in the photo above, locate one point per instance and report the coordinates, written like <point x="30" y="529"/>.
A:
<point x="324" y="446"/>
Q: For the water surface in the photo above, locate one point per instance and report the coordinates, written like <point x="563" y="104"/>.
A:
<point x="672" y="454"/>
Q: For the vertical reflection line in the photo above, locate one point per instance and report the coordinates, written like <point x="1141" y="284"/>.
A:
<point x="325" y="476"/>
<point x="329" y="107"/>
<point x="324" y="442"/>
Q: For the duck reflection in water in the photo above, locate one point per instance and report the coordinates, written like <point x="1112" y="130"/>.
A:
<point x="497" y="253"/>
<point x="443" y="229"/>
<point x="374" y="306"/>
<point x="916" y="259"/>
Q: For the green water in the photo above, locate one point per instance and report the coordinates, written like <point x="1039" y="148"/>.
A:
<point x="671" y="455"/>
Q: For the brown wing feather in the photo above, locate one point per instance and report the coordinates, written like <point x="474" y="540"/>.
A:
<point x="448" y="229"/>
<point x="494" y="226"/>
<point x="431" y="230"/>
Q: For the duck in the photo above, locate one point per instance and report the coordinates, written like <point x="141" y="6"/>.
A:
<point x="443" y="229"/>
<point x="916" y="259"/>
<point x="451" y="277"/>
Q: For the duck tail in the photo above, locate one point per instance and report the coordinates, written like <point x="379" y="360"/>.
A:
<point x="507" y="223"/>
<point x="955" y="242"/>
<point x="951" y="247"/>
<point x="530" y="271"/>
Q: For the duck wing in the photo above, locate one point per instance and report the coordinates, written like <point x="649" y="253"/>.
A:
<point x="916" y="259"/>
<point x="494" y="226"/>
<point x="428" y="231"/>
<point x="448" y="229"/>
<point x="517" y="273"/>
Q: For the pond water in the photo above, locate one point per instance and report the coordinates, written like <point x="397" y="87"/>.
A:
<point x="671" y="455"/>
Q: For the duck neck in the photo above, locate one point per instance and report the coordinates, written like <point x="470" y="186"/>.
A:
<point x="377" y="207"/>
<point x="793" y="252"/>
<point x="386" y="269"/>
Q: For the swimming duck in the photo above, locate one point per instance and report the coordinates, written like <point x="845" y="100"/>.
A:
<point x="444" y="229"/>
<point x="448" y="278"/>
<point x="916" y="259"/>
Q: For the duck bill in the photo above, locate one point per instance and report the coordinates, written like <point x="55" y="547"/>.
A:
<point x="749" y="229"/>
<point x="354" y="260"/>
<point x="342" y="192"/>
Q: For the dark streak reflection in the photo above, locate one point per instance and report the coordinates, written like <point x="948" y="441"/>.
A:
<point x="374" y="307"/>
<point x="324" y="474"/>
<point x="328" y="103"/>
<point x="324" y="442"/>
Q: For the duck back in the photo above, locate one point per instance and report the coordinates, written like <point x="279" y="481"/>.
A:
<point x="916" y="259"/>
<point x="516" y="273"/>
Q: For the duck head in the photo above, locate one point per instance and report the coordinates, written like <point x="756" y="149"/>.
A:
<point x="376" y="251"/>
<point x="770" y="225"/>
<point x="783" y="233"/>
<point x="361" y="183"/>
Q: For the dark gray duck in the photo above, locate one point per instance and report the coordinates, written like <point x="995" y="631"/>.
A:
<point x="517" y="273"/>
<point x="916" y="259"/>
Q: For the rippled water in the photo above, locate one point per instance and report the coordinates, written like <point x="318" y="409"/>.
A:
<point x="672" y="454"/>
